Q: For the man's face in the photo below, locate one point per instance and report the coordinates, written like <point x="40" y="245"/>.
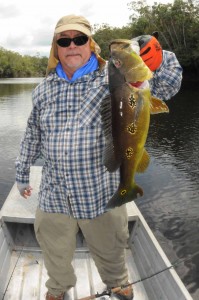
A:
<point x="73" y="57"/>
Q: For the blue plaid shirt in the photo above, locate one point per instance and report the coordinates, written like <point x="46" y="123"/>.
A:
<point x="166" y="81"/>
<point x="65" y="127"/>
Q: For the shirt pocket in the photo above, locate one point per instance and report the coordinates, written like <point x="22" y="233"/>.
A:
<point x="89" y="114"/>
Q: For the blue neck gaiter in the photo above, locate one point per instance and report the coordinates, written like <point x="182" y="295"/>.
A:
<point x="90" y="66"/>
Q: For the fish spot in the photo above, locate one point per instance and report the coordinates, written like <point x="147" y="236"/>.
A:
<point x="120" y="107"/>
<point x="129" y="152"/>
<point x="132" y="101"/>
<point x="123" y="192"/>
<point x="132" y="128"/>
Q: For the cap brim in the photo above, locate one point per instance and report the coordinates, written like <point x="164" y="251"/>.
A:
<point x="73" y="27"/>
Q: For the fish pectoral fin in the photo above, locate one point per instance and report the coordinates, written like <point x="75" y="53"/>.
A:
<point x="144" y="162"/>
<point x="157" y="106"/>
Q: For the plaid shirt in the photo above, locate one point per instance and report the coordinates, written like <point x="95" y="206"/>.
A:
<point x="167" y="78"/>
<point x="65" y="127"/>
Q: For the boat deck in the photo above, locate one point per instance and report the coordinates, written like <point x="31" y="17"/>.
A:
<point x="28" y="275"/>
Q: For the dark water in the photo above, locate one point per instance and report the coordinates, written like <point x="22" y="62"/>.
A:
<point x="171" y="184"/>
<point x="15" y="106"/>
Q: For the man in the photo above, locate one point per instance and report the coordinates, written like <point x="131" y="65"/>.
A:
<point x="65" y="127"/>
<point x="167" y="72"/>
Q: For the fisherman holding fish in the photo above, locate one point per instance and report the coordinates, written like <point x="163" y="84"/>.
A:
<point x="68" y="126"/>
<point x="65" y="128"/>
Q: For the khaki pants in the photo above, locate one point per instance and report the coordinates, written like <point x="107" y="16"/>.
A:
<point x="106" y="237"/>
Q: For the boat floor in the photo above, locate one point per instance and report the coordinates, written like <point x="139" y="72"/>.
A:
<point x="27" y="276"/>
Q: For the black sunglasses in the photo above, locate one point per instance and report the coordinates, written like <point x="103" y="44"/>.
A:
<point x="78" y="41"/>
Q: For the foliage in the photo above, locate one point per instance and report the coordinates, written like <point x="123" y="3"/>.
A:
<point x="105" y="34"/>
<point x="177" y="24"/>
<point x="12" y="64"/>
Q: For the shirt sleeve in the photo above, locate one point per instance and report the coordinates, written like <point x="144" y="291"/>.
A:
<point x="166" y="81"/>
<point x="29" y="148"/>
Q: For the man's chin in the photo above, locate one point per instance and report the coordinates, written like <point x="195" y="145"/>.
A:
<point x="74" y="62"/>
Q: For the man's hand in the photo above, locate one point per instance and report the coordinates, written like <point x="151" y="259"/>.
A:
<point x="25" y="190"/>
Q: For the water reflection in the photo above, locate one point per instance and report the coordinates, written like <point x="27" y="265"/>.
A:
<point x="171" y="183"/>
<point x="177" y="132"/>
<point x="15" y="86"/>
<point x="15" y="106"/>
<point x="20" y="81"/>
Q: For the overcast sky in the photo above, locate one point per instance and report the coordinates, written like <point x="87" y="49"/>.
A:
<point x="27" y="26"/>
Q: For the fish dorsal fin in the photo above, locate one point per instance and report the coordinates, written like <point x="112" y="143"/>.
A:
<point x="157" y="106"/>
<point x="110" y="159"/>
<point x="144" y="162"/>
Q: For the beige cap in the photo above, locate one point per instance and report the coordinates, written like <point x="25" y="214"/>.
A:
<point x="72" y="22"/>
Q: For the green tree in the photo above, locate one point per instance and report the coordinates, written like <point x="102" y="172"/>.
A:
<point x="177" y="24"/>
<point x="104" y="34"/>
<point x="12" y="64"/>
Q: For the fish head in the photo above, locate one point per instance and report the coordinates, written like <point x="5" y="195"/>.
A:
<point x="128" y="62"/>
<point x="121" y="44"/>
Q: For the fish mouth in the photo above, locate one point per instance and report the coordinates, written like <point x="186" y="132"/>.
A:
<point x="117" y="63"/>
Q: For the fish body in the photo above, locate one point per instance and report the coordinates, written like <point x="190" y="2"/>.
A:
<point x="126" y="119"/>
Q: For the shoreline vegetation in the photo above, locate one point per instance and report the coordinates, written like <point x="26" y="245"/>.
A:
<point x="177" y="24"/>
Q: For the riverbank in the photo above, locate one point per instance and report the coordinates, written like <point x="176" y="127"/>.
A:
<point x="189" y="81"/>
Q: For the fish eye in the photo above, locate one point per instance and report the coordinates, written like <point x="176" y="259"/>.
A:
<point x="116" y="62"/>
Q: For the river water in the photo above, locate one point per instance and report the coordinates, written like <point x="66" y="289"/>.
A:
<point x="171" y="183"/>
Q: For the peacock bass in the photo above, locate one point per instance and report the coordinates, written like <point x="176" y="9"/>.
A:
<point x="126" y="119"/>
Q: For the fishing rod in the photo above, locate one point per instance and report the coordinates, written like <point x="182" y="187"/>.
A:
<point x="110" y="291"/>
